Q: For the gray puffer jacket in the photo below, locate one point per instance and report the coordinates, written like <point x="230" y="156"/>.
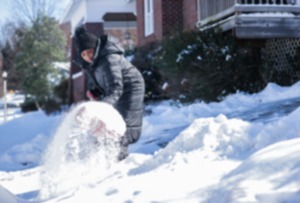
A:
<point x="121" y="84"/>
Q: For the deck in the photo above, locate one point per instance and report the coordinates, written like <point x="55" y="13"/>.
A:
<point x="260" y="19"/>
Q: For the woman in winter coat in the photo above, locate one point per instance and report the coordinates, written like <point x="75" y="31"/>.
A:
<point x="116" y="81"/>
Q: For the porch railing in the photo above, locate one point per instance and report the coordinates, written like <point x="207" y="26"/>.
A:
<point x="270" y="2"/>
<point x="219" y="8"/>
<point x="208" y="8"/>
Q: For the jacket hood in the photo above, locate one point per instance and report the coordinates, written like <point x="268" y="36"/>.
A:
<point x="105" y="45"/>
<point x="108" y="45"/>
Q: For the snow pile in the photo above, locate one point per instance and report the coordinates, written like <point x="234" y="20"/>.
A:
<point x="270" y="175"/>
<point x="88" y="140"/>
<point x="217" y="159"/>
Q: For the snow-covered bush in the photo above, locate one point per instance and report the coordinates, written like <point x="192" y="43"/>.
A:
<point x="211" y="64"/>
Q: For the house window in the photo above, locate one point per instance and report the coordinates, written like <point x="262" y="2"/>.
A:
<point x="148" y="8"/>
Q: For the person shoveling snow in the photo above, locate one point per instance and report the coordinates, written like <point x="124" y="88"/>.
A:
<point x="113" y="79"/>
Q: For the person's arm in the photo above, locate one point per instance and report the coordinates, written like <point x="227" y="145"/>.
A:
<point x="113" y="81"/>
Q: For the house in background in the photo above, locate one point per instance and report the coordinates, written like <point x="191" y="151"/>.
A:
<point x="113" y="17"/>
<point x="157" y="19"/>
<point x="273" y="26"/>
<point x="134" y="22"/>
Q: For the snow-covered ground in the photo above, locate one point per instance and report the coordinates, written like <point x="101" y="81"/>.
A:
<point x="244" y="149"/>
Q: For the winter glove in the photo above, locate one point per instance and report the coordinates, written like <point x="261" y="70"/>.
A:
<point x="93" y="94"/>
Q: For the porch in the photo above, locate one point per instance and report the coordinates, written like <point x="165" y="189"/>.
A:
<point x="252" y="19"/>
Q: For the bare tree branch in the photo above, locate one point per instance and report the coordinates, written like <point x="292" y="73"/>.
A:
<point x="29" y="10"/>
<point x="8" y="32"/>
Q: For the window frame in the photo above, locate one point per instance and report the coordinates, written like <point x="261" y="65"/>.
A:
<point x="148" y="17"/>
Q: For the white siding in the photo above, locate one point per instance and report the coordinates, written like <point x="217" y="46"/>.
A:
<point x="90" y="11"/>
<point x="97" y="8"/>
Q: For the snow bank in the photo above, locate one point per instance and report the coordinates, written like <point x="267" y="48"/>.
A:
<point x="7" y="197"/>
<point x="271" y="175"/>
<point x="24" y="139"/>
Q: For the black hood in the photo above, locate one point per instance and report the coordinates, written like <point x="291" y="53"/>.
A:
<point x="108" y="45"/>
<point x="105" y="45"/>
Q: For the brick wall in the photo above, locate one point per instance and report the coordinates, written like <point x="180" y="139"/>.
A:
<point x="95" y="28"/>
<point x="190" y="14"/>
<point x="66" y="28"/>
<point x="158" y="20"/>
<point x="170" y="16"/>
<point x="78" y="87"/>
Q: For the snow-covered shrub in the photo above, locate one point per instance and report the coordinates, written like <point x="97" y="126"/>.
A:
<point x="212" y="63"/>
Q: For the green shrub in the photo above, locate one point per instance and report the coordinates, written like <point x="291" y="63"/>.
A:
<point x="61" y="91"/>
<point x="211" y="63"/>
<point x="51" y="104"/>
<point x="28" y="105"/>
<point x="143" y="60"/>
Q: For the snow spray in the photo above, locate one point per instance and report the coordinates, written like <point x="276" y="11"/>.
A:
<point x="85" y="145"/>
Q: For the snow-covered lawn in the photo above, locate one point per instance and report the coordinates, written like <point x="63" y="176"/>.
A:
<point x="244" y="149"/>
